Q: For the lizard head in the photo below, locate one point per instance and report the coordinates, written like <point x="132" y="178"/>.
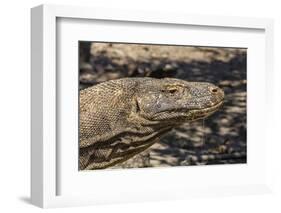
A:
<point x="174" y="100"/>
<point x="121" y="118"/>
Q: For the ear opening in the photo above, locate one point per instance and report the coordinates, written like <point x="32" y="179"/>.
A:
<point x="137" y="106"/>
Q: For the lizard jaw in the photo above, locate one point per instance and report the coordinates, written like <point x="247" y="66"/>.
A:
<point x="197" y="114"/>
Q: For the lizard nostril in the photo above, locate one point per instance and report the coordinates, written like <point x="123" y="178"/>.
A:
<point x="214" y="90"/>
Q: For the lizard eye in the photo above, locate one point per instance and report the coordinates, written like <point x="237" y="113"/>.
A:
<point x="170" y="90"/>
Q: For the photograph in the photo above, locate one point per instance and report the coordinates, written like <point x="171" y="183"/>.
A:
<point x="159" y="105"/>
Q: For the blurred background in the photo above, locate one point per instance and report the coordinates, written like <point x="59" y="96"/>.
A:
<point x="220" y="138"/>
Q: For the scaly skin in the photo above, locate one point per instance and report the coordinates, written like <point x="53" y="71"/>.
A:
<point x="121" y="118"/>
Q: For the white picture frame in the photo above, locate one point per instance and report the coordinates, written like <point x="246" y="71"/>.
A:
<point x="45" y="172"/>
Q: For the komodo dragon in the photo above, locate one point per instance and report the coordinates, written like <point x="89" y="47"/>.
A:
<point x="121" y="118"/>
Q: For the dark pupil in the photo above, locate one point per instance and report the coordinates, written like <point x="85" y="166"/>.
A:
<point x="171" y="91"/>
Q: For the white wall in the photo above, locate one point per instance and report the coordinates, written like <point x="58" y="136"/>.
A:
<point x="15" y="98"/>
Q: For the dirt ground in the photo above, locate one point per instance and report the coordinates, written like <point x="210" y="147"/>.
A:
<point x="219" y="139"/>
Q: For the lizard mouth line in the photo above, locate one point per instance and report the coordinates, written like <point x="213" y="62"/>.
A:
<point x="192" y="114"/>
<point x="202" y="113"/>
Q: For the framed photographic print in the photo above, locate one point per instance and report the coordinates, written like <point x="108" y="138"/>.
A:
<point x="130" y="106"/>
